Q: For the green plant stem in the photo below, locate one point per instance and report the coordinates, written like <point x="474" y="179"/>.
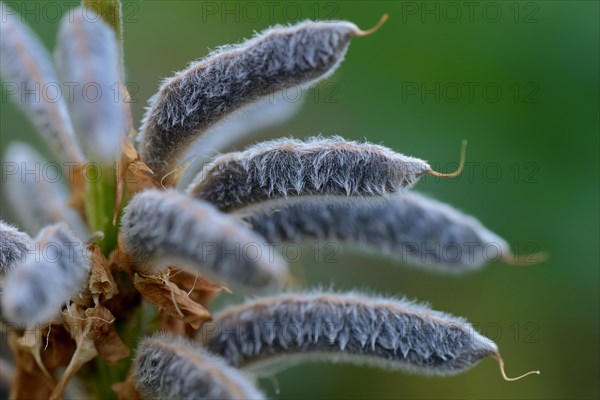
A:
<point x="100" y="204"/>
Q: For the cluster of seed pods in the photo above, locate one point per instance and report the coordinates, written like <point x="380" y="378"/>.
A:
<point x="206" y="223"/>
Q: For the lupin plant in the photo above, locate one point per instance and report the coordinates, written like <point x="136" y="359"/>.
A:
<point x="111" y="293"/>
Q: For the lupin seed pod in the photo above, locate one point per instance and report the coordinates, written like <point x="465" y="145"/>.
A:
<point x="316" y="166"/>
<point x="394" y="334"/>
<point x="57" y="270"/>
<point x="251" y="120"/>
<point x="166" y="228"/>
<point x="35" y="192"/>
<point x="173" y="368"/>
<point x="275" y="59"/>
<point x="13" y="247"/>
<point x="31" y="81"/>
<point x="88" y="54"/>
<point x="410" y="227"/>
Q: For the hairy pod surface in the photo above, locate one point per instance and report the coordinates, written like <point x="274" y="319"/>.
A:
<point x="168" y="367"/>
<point x="396" y="334"/>
<point x="409" y="227"/>
<point x="35" y="193"/>
<point x="32" y="83"/>
<point x="54" y="272"/>
<point x="233" y="76"/>
<point x="166" y="228"/>
<point x="317" y="166"/>
<point x="13" y="247"/>
<point x="88" y="53"/>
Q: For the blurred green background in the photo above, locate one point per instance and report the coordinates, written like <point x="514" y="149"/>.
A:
<point x="520" y="81"/>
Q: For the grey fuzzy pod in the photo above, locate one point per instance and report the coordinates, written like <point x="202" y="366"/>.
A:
<point x="56" y="270"/>
<point x="168" y="367"/>
<point x="14" y="244"/>
<point x="409" y="227"/>
<point x="35" y="192"/>
<point x="233" y="76"/>
<point x="88" y="55"/>
<point x="316" y="166"/>
<point x="30" y="80"/>
<point x="393" y="334"/>
<point x="165" y="228"/>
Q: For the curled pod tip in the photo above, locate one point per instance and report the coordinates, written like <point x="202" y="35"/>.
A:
<point x="523" y="260"/>
<point x="165" y="228"/>
<point x="461" y="164"/>
<point x="498" y="358"/>
<point x="375" y="28"/>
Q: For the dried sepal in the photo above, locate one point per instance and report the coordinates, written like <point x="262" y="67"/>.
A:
<point x="410" y="227"/>
<point x="208" y="90"/>
<point x="317" y="166"/>
<point x="32" y="83"/>
<point x="101" y="284"/>
<point x="199" y="288"/>
<point x="94" y="333"/>
<point x="39" y="353"/>
<point x="102" y="332"/>
<point x="14" y="244"/>
<point x="31" y="342"/>
<point x="170" y="299"/>
<point x="57" y="347"/>
<point x="35" y="193"/>
<point x="88" y="53"/>
<point x="132" y="174"/>
<point x="79" y="327"/>
<point x="30" y="381"/>
<point x="58" y="269"/>
<point x="167" y="367"/>
<point x="160" y="229"/>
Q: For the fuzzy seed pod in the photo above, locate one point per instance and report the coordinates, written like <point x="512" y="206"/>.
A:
<point x="249" y="121"/>
<point x="35" y="192"/>
<point x="13" y="247"/>
<point x="316" y="166"/>
<point x="409" y="227"/>
<point x="392" y="333"/>
<point x="168" y="367"/>
<point x="278" y="58"/>
<point x="88" y="54"/>
<point x="395" y="334"/>
<point x="57" y="270"/>
<point x="165" y="228"/>
<point x="31" y="81"/>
